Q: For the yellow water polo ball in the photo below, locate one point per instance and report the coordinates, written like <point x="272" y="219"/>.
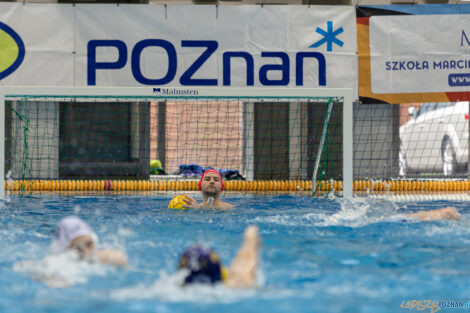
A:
<point x="179" y="202"/>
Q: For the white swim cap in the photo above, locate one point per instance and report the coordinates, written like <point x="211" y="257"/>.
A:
<point x="67" y="230"/>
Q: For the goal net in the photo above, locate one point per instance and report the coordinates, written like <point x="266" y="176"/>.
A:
<point x="161" y="139"/>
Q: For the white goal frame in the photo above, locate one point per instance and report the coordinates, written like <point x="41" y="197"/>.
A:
<point x="157" y="92"/>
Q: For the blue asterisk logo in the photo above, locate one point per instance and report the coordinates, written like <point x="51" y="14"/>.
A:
<point x="329" y="37"/>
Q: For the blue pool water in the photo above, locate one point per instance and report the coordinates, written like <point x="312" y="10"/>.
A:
<point x="317" y="255"/>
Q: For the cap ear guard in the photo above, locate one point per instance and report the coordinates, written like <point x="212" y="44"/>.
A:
<point x="222" y="185"/>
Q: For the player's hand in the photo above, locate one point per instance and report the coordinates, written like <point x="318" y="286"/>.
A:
<point x="191" y="202"/>
<point x="251" y="235"/>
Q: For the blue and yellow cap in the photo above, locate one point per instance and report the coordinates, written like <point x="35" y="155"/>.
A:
<point x="203" y="265"/>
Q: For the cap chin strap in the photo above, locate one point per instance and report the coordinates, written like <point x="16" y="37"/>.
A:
<point x="210" y="200"/>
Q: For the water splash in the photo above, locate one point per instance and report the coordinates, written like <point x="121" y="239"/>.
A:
<point x="354" y="212"/>
<point x="169" y="288"/>
<point x="357" y="212"/>
<point x="60" y="270"/>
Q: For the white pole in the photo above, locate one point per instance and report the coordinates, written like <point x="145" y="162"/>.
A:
<point x="2" y="146"/>
<point x="348" y="146"/>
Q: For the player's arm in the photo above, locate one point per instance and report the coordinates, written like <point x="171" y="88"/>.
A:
<point x="112" y="257"/>
<point x="448" y="213"/>
<point x="242" y="271"/>
<point x="225" y="205"/>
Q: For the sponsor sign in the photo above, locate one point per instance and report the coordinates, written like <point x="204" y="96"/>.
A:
<point x="169" y="46"/>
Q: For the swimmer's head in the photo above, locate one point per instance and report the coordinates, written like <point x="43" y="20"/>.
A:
<point x="73" y="233"/>
<point x="203" y="265"/>
<point x="211" y="183"/>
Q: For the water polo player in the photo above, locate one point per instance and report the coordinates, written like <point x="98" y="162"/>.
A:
<point x="447" y="213"/>
<point x="72" y="233"/>
<point x="203" y="265"/>
<point x="211" y="185"/>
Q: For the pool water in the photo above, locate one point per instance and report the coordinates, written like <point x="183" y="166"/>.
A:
<point x="317" y="255"/>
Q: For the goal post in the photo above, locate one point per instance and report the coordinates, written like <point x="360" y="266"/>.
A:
<point x="252" y="101"/>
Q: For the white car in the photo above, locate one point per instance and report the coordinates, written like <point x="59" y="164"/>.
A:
<point x="435" y="139"/>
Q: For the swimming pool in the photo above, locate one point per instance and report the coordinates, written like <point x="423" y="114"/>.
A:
<point x="317" y="255"/>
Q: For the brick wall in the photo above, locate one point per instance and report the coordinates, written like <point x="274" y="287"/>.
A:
<point x="205" y="133"/>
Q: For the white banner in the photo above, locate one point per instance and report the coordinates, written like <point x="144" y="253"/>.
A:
<point x="423" y="53"/>
<point x="203" y="45"/>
